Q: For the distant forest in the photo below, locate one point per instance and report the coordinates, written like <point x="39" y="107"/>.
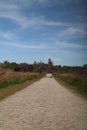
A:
<point x="42" y="67"/>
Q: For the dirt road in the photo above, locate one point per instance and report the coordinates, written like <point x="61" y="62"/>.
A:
<point x="44" y="105"/>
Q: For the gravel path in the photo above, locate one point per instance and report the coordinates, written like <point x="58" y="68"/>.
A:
<point x="44" y="105"/>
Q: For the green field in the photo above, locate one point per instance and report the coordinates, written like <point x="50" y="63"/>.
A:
<point x="11" y="82"/>
<point x="77" y="82"/>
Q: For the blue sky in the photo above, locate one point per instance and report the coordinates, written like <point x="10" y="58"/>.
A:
<point x="35" y="30"/>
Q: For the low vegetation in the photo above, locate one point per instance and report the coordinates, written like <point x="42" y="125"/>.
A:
<point x="11" y="81"/>
<point x="75" y="81"/>
<point x="15" y="76"/>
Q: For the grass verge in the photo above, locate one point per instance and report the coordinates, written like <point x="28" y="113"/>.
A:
<point x="9" y="87"/>
<point x="74" y="83"/>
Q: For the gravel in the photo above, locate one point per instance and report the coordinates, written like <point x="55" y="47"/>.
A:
<point x="44" y="105"/>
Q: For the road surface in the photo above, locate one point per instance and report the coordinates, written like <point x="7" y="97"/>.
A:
<point x="44" y="105"/>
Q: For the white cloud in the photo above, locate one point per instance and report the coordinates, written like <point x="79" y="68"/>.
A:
<point x="24" y="22"/>
<point x="24" y="3"/>
<point x="7" y="35"/>
<point x="70" y="44"/>
<point x="13" y="16"/>
<point x="73" y="32"/>
<point x="53" y="23"/>
<point x="39" y="2"/>
<point x="26" y="46"/>
<point x="5" y="6"/>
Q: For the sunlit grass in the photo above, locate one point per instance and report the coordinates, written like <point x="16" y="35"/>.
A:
<point x="12" y="85"/>
<point x="74" y="82"/>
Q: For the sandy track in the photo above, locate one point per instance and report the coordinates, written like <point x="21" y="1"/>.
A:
<point x="44" y="105"/>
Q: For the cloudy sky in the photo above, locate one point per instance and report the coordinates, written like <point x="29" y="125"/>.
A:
<point x="35" y="30"/>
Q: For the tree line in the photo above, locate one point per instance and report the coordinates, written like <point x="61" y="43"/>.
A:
<point x="42" y="67"/>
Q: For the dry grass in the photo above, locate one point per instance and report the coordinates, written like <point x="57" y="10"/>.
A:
<point x="11" y="82"/>
<point x="75" y="75"/>
<point x="9" y="74"/>
<point x="77" y="82"/>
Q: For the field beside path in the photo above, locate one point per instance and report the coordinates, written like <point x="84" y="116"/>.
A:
<point x="11" y="82"/>
<point x="77" y="82"/>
